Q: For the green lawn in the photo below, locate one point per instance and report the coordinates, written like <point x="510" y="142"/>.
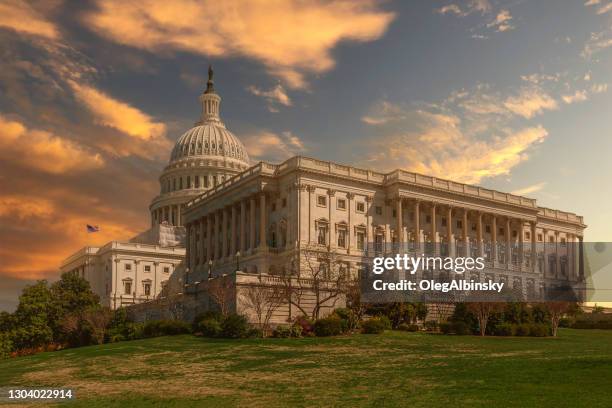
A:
<point x="393" y="369"/>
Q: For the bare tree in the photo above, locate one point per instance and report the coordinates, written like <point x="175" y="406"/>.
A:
<point x="221" y="291"/>
<point x="98" y="320"/>
<point x="483" y="310"/>
<point x="324" y="277"/>
<point x="556" y="310"/>
<point x="263" y="300"/>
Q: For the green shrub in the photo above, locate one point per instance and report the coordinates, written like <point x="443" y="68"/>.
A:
<point x="208" y="327"/>
<point x="296" y="330"/>
<point x="306" y="324"/>
<point x="255" y="333"/>
<point x="350" y="320"/>
<point x="208" y="315"/>
<point x="431" y="325"/>
<point x="386" y="322"/>
<point x="156" y="328"/>
<point x="461" y="328"/>
<point x="6" y="345"/>
<point x="282" y="331"/>
<point x="234" y="326"/>
<point x="328" y="326"/>
<point x="522" y="329"/>
<point x="408" y="327"/>
<point x="539" y="330"/>
<point x="375" y="325"/>
<point x="504" y="329"/>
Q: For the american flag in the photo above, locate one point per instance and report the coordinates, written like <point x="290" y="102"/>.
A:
<point x="92" y="228"/>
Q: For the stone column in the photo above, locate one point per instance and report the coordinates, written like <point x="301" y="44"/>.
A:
<point x="417" y="226"/>
<point x="508" y="247"/>
<point x="349" y="233"/>
<point x="332" y="225"/>
<point x="262" y="222"/>
<point x="187" y="246"/>
<point x="242" y="225"/>
<point x="369" y="225"/>
<point x="224" y="233"/>
<point x="479" y="236"/>
<point x="232" y="234"/>
<point x="252" y="224"/>
<point x="534" y="255"/>
<point x="209" y="249"/>
<point x="494" y="240"/>
<point x="557" y="257"/>
<point x="202" y="242"/>
<point x="544" y="252"/>
<point x="400" y="224"/>
<point x="521" y="243"/>
<point x="466" y="241"/>
<point x="178" y="215"/>
<point x="449" y="232"/>
<point x="581" y="258"/>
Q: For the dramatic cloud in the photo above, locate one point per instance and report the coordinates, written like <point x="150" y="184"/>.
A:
<point x="266" y="145"/>
<point x="601" y="9"/>
<point x="525" y="191"/>
<point x="20" y="16"/>
<point x="42" y="150"/>
<point x="501" y="22"/>
<point x="117" y="114"/>
<point x="274" y="96"/>
<point x="439" y="147"/>
<point x="291" y="38"/>
<point x="473" y="6"/>
<point x="597" y="43"/>
<point x="578" y="96"/>
<point x="530" y="102"/>
<point x="383" y="112"/>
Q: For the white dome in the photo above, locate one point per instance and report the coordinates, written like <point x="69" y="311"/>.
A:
<point x="206" y="140"/>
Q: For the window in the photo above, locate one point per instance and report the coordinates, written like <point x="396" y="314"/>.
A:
<point x="378" y="210"/>
<point x="322" y="201"/>
<point x="128" y="267"/>
<point x="322" y="234"/>
<point x="188" y="182"/>
<point x="527" y="235"/>
<point x="563" y="242"/>
<point x="146" y="288"/>
<point x="394" y="213"/>
<point x="147" y="268"/>
<point x="514" y="234"/>
<point x="443" y="222"/>
<point x="180" y="183"/>
<point x="428" y="219"/>
<point x="166" y="269"/>
<point x="501" y="231"/>
<point x="540" y="237"/>
<point x="488" y="229"/>
<point x="473" y="226"/>
<point x="360" y="240"/>
<point x="341" y="204"/>
<point x="361" y="207"/>
<point x="273" y="206"/>
<point x="342" y="238"/>
<point x="459" y="224"/>
<point x="551" y="239"/>
<point x="378" y="243"/>
<point x="284" y="202"/>
<point x="127" y="287"/>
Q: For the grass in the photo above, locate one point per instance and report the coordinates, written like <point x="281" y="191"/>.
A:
<point x="388" y="370"/>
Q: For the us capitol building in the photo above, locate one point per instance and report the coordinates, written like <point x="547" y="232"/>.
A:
<point x="227" y="218"/>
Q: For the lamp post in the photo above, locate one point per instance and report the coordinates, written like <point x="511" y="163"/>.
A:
<point x="238" y="261"/>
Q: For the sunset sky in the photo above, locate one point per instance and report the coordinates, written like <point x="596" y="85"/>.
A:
<point x="511" y="95"/>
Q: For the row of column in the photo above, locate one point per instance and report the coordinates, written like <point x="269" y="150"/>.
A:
<point x="169" y="213"/>
<point x="213" y="236"/>
<point x="433" y="206"/>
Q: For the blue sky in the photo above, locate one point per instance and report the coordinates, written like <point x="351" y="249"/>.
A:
<point x="511" y="95"/>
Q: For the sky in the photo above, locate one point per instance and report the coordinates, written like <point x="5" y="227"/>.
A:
<point x="510" y="95"/>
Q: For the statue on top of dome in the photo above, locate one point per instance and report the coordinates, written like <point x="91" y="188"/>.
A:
<point x="210" y="84"/>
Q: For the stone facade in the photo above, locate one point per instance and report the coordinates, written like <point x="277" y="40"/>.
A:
<point x="261" y="220"/>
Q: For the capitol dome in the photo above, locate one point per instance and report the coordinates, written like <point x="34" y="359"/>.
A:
<point x="209" y="140"/>
<point x="203" y="157"/>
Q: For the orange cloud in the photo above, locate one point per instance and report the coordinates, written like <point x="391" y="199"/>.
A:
<point x="440" y="147"/>
<point x="43" y="233"/>
<point x="530" y="102"/>
<point x="21" y="17"/>
<point x="290" y="38"/>
<point x="117" y="114"/>
<point x="266" y="145"/>
<point x="43" y="150"/>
